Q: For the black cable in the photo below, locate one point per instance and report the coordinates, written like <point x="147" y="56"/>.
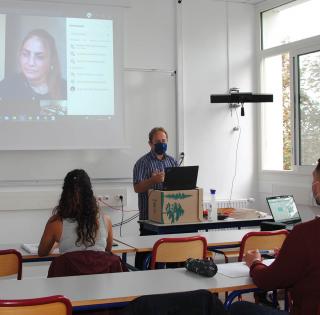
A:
<point x="122" y="214"/>
<point x="122" y="222"/>
<point x="242" y="110"/>
<point x="181" y="158"/>
<point x="115" y="208"/>
<point x="236" y="159"/>
<point x="126" y="221"/>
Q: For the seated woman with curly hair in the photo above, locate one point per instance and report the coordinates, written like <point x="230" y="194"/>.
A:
<point x="77" y="223"/>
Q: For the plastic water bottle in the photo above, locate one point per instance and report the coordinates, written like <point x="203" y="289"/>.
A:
<point x="213" y="211"/>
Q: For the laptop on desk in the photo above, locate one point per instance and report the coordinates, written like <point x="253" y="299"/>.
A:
<point x="180" y="178"/>
<point x="284" y="210"/>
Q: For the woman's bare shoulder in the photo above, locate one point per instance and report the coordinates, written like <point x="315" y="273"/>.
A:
<point x="54" y="219"/>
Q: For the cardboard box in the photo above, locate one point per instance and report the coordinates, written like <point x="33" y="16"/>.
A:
<point x="175" y="206"/>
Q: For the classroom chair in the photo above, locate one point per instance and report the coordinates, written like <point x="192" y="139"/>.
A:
<point x="199" y="302"/>
<point x="227" y="253"/>
<point x="255" y="240"/>
<point x="10" y="263"/>
<point x="85" y="263"/>
<point x="178" y="249"/>
<point x="262" y="240"/>
<point x="51" y="305"/>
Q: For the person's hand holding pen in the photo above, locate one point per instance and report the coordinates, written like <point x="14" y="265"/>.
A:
<point x="276" y="252"/>
<point x="255" y="255"/>
<point x="252" y="256"/>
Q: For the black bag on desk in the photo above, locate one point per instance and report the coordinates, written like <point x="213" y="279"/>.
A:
<point x="202" y="267"/>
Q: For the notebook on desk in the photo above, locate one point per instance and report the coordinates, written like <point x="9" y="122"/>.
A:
<point x="180" y="178"/>
<point x="284" y="210"/>
<point x="33" y="248"/>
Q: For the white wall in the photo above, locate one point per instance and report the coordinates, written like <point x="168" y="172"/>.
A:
<point x="218" y="42"/>
<point x="18" y="226"/>
<point x="217" y="53"/>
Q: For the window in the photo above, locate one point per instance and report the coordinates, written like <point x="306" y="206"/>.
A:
<point x="290" y="22"/>
<point x="277" y="145"/>
<point x="309" y="107"/>
<point x="290" y="70"/>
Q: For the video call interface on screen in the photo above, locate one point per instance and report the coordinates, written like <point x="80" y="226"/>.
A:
<point x="283" y="208"/>
<point x="54" y="68"/>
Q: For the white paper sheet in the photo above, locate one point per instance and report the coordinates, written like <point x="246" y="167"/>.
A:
<point x="238" y="269"/>
<point x="33" y="248"/>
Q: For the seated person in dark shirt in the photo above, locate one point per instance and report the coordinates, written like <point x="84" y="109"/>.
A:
<point x="297" y="267"/>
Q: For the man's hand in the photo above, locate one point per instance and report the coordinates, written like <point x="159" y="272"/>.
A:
<point x="276" y="252"/>
<point x="157" y="177"/>
<point x="143" y="186"/>
<point x="251" y="256"/>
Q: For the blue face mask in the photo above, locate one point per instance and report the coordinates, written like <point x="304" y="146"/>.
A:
<point x="160" y="148"/>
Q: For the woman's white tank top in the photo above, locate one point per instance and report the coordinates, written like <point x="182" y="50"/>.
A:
<point x="69" y="237"/>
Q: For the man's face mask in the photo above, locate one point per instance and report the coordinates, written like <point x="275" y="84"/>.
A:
<point x="160" y="148"/>
<point x="315" y="191"/>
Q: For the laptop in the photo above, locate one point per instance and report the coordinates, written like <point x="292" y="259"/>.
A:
<point x="180" y="178"/>
<point x="284" y="210"/>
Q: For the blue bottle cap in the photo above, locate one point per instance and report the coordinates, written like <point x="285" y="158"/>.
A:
<point x="212" y="191"/>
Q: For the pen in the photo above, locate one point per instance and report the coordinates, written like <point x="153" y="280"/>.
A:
<point x="269" y="252"/>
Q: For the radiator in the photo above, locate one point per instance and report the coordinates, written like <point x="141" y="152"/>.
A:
<point x="234" y="203"/>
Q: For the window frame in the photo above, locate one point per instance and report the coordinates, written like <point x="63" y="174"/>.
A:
<point x="297" y="144"/>
<point x="294" y="49"/>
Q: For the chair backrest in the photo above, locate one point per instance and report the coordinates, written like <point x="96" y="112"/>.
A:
<point x="85" y="262"/>
<point x="167" y="250"/>
<point x="10" y="263"/>
<point x="262" y="240"/>
<point x="51" y="305"/>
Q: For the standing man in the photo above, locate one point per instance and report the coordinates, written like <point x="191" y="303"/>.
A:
<point x="148" y="172"/>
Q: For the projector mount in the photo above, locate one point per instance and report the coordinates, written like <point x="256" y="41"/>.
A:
<point x="237" y="99"/>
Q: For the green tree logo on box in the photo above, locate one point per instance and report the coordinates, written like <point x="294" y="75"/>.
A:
<point x="175" y="211"/>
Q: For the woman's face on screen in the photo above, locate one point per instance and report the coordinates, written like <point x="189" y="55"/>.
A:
<point x="35" y="60"/>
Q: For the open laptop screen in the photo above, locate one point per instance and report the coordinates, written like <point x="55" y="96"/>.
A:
<point x="180" y="178"/>
<point x="284" y="209"/>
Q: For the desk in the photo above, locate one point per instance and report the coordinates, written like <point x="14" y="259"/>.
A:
<point x="27" y="257"/>
<point x="114" y="288"/>
<point x="158" y="228"/>
<point x="214" y="239"/>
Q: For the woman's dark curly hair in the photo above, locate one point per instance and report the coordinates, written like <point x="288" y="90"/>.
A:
<point x="78" y="202"/>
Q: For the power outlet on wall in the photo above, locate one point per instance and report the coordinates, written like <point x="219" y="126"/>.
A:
<point x="112" y="197"/>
